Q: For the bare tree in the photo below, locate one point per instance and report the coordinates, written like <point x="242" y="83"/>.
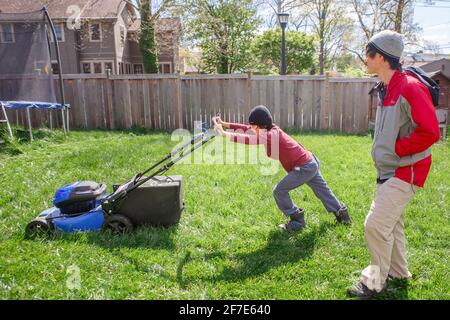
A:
<point x="158" y="8"/>
<point x="330" y="24"/>
<point x="431" y="46"/>
<point x="377" y="15"/>
<point x="403" y="20"/>
<point x="296" y="8"/>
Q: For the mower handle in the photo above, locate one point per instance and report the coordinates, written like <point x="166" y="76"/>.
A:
<point x="138" y="180"/>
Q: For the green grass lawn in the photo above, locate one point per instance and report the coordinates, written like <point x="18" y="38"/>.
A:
<point x="227" y="245"/>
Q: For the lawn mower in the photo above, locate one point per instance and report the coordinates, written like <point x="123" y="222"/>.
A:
<point x="149" y="198"/>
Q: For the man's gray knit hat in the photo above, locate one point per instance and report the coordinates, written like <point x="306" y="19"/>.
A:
<point x="389" y="43"/>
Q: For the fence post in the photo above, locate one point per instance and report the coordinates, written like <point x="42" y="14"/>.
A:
<point x="249" y="94"/>
<point x="325" y="119"/>
<point x="179" y="114"/>
<point x="109" y="100"/>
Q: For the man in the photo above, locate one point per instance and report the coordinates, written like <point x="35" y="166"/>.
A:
<point x="406" y="127"/>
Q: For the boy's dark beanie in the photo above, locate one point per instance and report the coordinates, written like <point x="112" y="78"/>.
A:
<point x="260" y="116"/>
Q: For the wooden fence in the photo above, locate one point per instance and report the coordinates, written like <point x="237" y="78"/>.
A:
<point x="172" y="101"/>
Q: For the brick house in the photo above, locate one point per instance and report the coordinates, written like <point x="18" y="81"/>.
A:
<point x="104" y="37"/>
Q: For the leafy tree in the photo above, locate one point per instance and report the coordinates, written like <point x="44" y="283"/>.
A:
<point x="266" y="49"/>
<point x="147" y="39"/>
<point x="150" y="12"/>
<point x="349" y="65"/>
<point x="223" y="30"/>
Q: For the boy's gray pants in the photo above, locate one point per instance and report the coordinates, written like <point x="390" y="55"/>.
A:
<point x="309" y="174"/>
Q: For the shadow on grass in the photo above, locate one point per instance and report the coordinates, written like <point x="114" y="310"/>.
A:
<point x="396" y="290"/>
<point x="281" y="248"/>
<point x="149" y="238"/>
<point x="142" y="237"/>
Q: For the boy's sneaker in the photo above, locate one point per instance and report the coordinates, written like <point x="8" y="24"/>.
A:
<point x="296" y="222"/>
<point x="343" y="217"/>
<point x="360" y="290"/>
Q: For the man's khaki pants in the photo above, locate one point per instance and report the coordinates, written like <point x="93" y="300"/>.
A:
<point x="383" y="233"/>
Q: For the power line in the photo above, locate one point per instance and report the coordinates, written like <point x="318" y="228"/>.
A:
<point x="423" y="4"/>
<point x="437" y="24"/>
<point x="433" y="7"/>
<point x="432" y="3"/>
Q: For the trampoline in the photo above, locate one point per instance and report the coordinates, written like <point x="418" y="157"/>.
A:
<point x="26" y="78"/>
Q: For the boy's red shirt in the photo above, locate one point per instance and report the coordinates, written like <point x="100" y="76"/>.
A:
<point x="278" y="144"/>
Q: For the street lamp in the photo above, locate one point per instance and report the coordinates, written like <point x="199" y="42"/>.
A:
<point x="283" y="18"/>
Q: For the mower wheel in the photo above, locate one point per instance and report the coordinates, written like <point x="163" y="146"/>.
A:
<point x="118" y="224"/>
<point x="37" y="228"/>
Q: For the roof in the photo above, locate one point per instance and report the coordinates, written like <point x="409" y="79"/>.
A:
<point x="424" y="57"/>
<point x="438" y="73"/>
<point x="414" y="63"/>
<point x="64" y="9"/>
<point x="164" y="24"/>
<point x="89" y="9"/>
<point x="442" y="65"/>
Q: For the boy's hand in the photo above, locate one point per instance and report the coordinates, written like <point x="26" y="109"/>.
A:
<point x="217" y="120"/>
<point x="219" y="129"/>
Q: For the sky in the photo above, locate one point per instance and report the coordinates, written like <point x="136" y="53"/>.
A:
<point x="435" y="21"/>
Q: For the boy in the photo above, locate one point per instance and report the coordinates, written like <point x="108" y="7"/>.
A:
<point x="302" y="166"/>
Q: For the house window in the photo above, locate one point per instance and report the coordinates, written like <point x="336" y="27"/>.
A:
<point x="55" y="68"/>
<point x="6" y="33"/>
<point x="98" y="67"/>
<point x="109" y="66"/>
<point x="59" y="30"/>
<point x="138" y="69"/>
<point x="86" y="67"/>
<point x="41" y="67"/>
<point x="122" y="35"/>
<point x="95" y="32"/>
<point x="125" y="68"/>
<point x="165" y="67"/>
